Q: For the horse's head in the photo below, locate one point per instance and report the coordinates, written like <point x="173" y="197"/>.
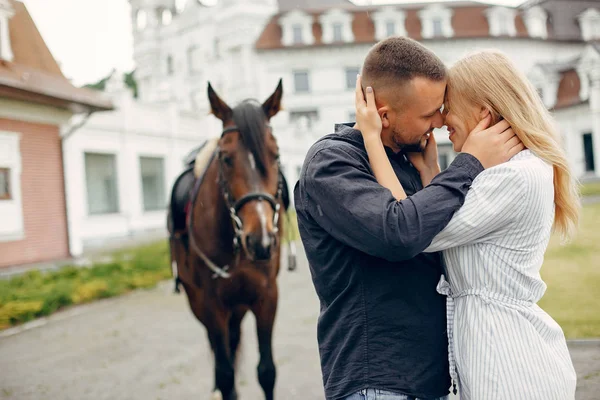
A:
<point x="249" y="171"/>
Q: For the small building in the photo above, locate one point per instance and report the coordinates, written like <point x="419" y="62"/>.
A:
<point x="37" y="103"/>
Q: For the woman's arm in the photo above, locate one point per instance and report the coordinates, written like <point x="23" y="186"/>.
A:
<point x="369" y="123"/>
<point x="495" y="200"/>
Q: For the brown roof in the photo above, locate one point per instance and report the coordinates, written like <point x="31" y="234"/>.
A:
<point x="34" y="75"/>
<point x="568" y="90"/>
<point x="468" y="21"/>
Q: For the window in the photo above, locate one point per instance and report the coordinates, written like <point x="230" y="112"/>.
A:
<point x="170" y="68"/>
<point x="141" y="20"/>
<point x="297" y="34"/>
<point x="5" y="190"/>
<point x="337" y="32"/>
<point x="216" y="48"/>
<point x="301" y="83"/>
<point x="503" y="25"/>
<point x="588" y="152"/>
<point x="304" y="118"/>
<point x="390" y="28"/>
<point x="437" y="27"/>
<point x="194" y="59"/>
<point x="351" y="77"/>
<point x="101" y="180"/>
<point x="166" y="17"/>
<point x="153" y="183"/>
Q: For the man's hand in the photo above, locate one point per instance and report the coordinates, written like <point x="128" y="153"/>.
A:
<point x="426" y="162"/>
<point x="494" y="145"/>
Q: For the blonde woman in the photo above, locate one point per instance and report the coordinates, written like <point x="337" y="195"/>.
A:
<point x="501" y="344"/>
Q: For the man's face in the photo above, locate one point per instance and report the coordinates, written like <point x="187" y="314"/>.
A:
<point x="411" y="122"/>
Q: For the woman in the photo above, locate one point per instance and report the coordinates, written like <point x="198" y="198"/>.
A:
<point x="501" y="344"/>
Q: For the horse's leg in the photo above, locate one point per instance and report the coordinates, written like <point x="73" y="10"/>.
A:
<point x="265" y="310"/>
<point x="235" y="332"/>
<point x="218" y="336"/>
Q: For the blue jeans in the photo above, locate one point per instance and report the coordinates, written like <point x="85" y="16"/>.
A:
<point x="379" y="394"/>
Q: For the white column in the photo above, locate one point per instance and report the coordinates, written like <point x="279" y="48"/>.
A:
<point x="75" y="192"/>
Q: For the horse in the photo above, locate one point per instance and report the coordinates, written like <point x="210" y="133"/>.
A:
<point x="226" y="252"/>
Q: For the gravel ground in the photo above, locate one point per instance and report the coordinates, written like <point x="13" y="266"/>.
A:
<point x="148" y="346"/>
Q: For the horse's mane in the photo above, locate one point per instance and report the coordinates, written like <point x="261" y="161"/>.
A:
<point x="250" y="119"/>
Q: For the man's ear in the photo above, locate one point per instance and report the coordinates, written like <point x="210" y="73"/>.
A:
<point x="384" y="114"/>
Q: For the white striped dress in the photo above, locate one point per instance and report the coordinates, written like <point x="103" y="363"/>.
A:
<point x="502" y="344"/>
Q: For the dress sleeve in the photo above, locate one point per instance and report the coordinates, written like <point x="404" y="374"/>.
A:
<point x="494" y="201"/>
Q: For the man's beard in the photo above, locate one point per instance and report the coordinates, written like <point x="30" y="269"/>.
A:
<point x="413" y="148"/>
<point x="417" y="147"/>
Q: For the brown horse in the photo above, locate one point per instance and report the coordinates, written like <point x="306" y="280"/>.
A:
<point x="227" y="254"/>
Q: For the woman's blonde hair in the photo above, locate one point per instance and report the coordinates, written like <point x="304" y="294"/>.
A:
<point x="489" y="79"/>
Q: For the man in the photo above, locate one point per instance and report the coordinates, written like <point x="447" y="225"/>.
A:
<point x="382" y="328"/>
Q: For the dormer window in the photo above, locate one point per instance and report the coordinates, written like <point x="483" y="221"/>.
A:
<point x="546" y="81"/>
<point x="501" y="21"/>
<point x="337" y="26"/>
<point x="589" y="21"/>
<point x="297" y="34"/>
<point x="296" y="27"/>
<point x="536" y="22"/>
<point x="437" y="27"/>
<point x="337" y="32"/>
<point x="141" y="20"/>
<point x="390" y="28"/>
<point x="436" y="21"/>
<point x="389" y="21"/>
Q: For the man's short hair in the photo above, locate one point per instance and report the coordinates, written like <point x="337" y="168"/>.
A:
<point x="396" y="60"/>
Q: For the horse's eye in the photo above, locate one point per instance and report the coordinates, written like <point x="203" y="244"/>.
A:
<point x="227" y="160"/>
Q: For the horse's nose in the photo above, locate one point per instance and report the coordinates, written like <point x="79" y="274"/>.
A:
<point x="260" y="246"/>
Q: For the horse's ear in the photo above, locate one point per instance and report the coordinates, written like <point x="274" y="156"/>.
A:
<point x="273" y="103"/>
<point x="218" y="107"/>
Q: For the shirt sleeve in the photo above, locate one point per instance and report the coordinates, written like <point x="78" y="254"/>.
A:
<point x="344" y="198"/>
<point x="495" y="199"/>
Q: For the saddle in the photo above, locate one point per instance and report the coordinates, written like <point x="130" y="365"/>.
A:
<point x="189" y="181"/>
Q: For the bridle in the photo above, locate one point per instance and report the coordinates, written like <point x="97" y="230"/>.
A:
<point x="234" y="206"/>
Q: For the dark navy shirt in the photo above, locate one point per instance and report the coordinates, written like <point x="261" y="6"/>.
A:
<point x="382" y="324"/>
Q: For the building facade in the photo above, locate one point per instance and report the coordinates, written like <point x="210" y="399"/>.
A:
<point x="243" y="47"/>
<point x="36" y="103"/>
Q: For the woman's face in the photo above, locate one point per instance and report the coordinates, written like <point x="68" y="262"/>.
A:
<point x="459" y="127"/>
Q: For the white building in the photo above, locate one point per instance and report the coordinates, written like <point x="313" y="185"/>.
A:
<point x="118" y="163"/>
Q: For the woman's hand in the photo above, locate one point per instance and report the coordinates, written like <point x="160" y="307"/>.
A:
<point x="367" y="117"/>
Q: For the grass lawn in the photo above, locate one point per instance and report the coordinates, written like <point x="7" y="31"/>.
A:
<point x="590" y="189"/>
<point x="35" y="294"/>
<point x="572" y="273"/>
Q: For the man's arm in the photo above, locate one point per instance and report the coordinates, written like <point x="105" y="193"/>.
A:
<point x="494" y="201"/>
<point x="345" y="199"/>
